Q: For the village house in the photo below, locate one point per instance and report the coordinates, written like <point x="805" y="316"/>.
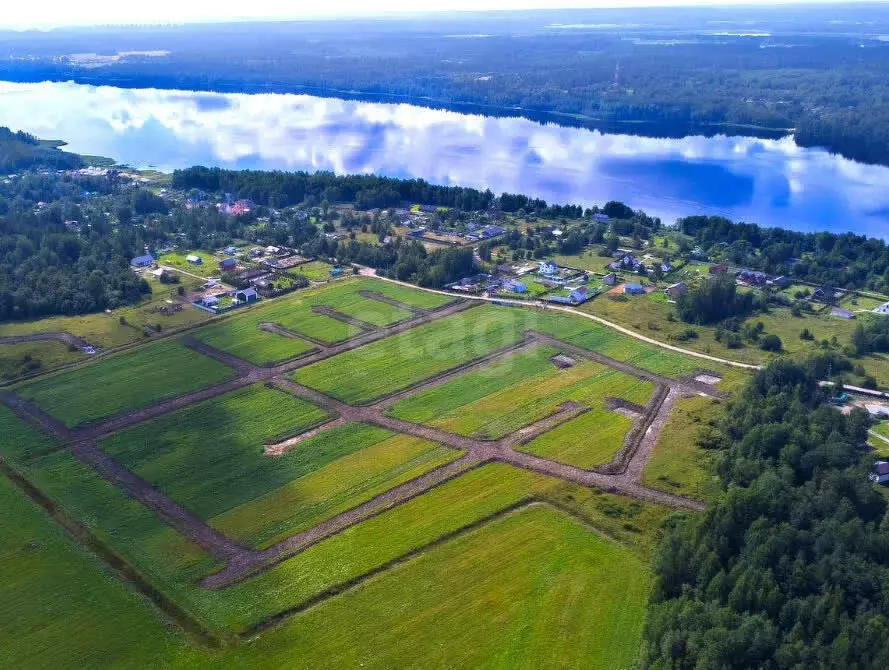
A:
<point x="628" y="262"/>
<point x="157" y="274"/>
<point x="825" y="294"/>
<point x="514" y="286"/>
<point x="246" y="295"/>
<point x="634" y="289"/>
<point x="548" y="269"/>
<point x="782" y="281"/>
<point x="666" y="266"/>
<point x="192" y="259"/>
<point x="675" y="290"/>
<point x="718" y="269"/>
<point x="610" y="279"/>
<point x="142" y="261"/>
<point x="210" y="301"/>
<point x="601" y="218"/>
<point x="228" y="264"/>
<point x="882" y="309"/>
<point x="752" y="277"/>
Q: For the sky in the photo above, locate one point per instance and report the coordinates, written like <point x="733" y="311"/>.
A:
<point x="54" y="13"/>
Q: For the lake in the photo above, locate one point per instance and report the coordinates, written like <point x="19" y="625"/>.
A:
<point x="770" y="182"/>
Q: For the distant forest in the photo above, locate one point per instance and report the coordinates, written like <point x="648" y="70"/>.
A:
<point x="824" y="72"/>
<point x="22" y="151"/>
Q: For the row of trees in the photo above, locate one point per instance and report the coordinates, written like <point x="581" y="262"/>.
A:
<point x="788" y="566"/>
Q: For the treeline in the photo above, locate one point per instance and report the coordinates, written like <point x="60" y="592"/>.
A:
<point x="283" y="189"/>
<point x="844" y="260"/>
<point x="788" y="566"/>
<point x="713" y="301"/>
<point x="49" y="268"/>
<point x="21" y="151"/>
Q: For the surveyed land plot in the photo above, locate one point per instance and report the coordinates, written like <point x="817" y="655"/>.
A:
<point x="209" y="457"/>
<point x="527" y="387"/>
<point x="128" y="381"/>
<point x="242" y="336"/>
<point x="370" y="461"/>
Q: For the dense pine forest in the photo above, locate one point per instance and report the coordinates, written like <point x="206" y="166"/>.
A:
<point x="788" y="567"/>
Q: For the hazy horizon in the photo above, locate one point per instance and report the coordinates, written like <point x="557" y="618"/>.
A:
<point x="165" y="12"/>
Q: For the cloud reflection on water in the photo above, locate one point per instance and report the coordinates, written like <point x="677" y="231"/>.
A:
<point x="773" y="182"/>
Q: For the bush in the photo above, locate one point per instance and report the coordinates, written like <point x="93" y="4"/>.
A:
<point x="770" y="343"/>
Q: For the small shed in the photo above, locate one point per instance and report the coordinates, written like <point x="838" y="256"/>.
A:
<point x="634" y="289"/>
<point x="192" y="259"/>
<point x="246" y="295"/>
<point x="336" y="272"/>
<point x="842" y="313"/>
<point x="157" y="274"/>
<point x="610" y="279"/>
<point x="514" y="286"/>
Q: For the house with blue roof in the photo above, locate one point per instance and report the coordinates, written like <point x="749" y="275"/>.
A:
<point x="514" y="286"/>
<point x="634" y="289"/>
<point x="145" y="261"/>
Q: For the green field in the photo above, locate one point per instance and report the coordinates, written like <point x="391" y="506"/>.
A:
<point x="28" y="358"/>
<point x="387" y="366"/>
<point x="102" y="330"/>
<point x="502" y="604"/>
<point x="209" y="456"/>
<point x="61" y="607"/>
<point x="525" y="388"/>
<point x="240" y="335"/>
<point x="371" y="461"/>
<point x="125" y="382"/>
<point x="678" y="465"/>
<point x="396" y="362"/>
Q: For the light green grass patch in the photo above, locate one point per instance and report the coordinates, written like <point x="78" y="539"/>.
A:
<point x="678" y="465"/>
<point x="506" y="595"/>
<point x="28" y="358"/>
<point x="124" y="382"/>
<point x="394" y="363"/>
<point x="208" y="268"/>
<point x="379" y="460"/>
<point x="209" y="457"/>
<point x="590" y="440"/>
<point x="242" y="337"/>
<point x="313" y="270"/>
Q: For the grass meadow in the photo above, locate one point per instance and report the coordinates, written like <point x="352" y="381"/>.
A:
<point x="517" y="391"/>
<point x="378" y="461"/>
<point x="240" y="335"/>
<point x="503" y="604"/>
<point x="127" y="381"/>
<point x="678" y="465"/>
<point x="209" y="457"/>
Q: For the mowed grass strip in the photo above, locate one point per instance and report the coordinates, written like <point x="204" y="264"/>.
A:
<point x="380" y="460"/>
<point x="535" y="589"/>
<point x="392" y="364"/>
<point x="409" y="296"/>
<point x="128" y="381"/>
<point x="209" y="457"/>
<point x="61" y="608"/>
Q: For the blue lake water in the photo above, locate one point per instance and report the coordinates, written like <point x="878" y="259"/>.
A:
<point x="771" y="182"/>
